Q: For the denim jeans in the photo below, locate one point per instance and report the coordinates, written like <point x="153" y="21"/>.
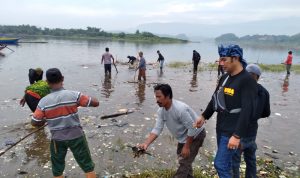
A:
<point x="248" y="146"/>
<point x="223" y="157"/>
<point x="161" y="63"/>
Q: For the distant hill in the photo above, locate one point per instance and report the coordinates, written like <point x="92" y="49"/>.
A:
<point x="286" y="26"/>
<point x="261" y="40"/>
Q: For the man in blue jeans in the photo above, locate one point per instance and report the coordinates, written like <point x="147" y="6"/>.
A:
<point x="234" y="101"/>
<point x="248" y="145"/>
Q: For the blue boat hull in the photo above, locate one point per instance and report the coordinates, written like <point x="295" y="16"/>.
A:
<point x="13" y="41"/>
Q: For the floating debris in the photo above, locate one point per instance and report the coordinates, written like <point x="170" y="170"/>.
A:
<point x="274" y="151"/>
<point x="9" y="142"/>
<point x="267" y="147"/>
<point x="22" y="172"/>
<point x="277" y="114"/>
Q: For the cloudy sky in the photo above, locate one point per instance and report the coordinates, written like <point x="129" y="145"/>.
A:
<point x="121" y="14"/>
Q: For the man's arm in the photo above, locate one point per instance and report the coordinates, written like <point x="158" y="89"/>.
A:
<point x="94" y="102"/>
<point x="148" y="141"/>
<point x="248" y="104"/>
<point x="113" y="59"/>
<point x="86" y="101"/>
<point x="158" y="128"/>
<point x="102" y="59"/>
<point x="266" y="110"/>
<point x="187" y="120"/>
<point x="37" y="118"/>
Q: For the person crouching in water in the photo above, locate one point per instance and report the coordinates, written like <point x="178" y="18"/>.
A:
<point x="37" y="90"/>
<point x="59" y="110"/>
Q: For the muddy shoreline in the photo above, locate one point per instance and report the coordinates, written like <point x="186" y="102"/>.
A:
<point x="108" y="142"/>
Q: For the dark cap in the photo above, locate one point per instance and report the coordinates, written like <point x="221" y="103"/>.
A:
<point x="53" y="75"/>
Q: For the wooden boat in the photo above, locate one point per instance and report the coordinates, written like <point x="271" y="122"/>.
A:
<point x="5" y="40"/>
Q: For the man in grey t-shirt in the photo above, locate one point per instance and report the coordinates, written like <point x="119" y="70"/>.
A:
<point x="107" y="57"/>
<point x="179" y="119"/>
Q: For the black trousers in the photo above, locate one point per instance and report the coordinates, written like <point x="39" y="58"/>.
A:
<point x="31" y="101"/>
<point x="196" y="62"/>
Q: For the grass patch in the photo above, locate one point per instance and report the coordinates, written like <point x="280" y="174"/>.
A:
<point x="178" y="64"/>
<point x="167" y="173"/>
<point x="214" y="66"/>
<point x="279" y="68"/>
<point x="266" y="169"/>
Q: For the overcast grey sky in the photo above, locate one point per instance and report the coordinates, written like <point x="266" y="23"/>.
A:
<point x="122" y="14"/>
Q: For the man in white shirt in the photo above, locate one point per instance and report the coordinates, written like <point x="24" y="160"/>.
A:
<point x="179" y="119"/>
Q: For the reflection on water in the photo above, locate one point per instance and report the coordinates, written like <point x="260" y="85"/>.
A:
<point x="140" y="91"/>
<point x="39" y="148"/>
<point x="194" y="83"/>
<point x="107" y="87"/>
<point x="285" y="85"/>
<point x="160" y="73"/>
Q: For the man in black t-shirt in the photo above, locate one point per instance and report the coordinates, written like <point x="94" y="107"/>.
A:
<point x="234" y="101"/>
<point x="196" y="59"/>
<point x="248" y="145"/>
<point x="161" y="60"/>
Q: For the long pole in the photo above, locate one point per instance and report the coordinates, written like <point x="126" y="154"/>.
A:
<point x="22" y="139"/>
<point x="9" y="49"/>
<point x="116" y="66"/>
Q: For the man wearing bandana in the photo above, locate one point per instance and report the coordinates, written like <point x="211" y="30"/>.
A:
<point x="235" y="105"/>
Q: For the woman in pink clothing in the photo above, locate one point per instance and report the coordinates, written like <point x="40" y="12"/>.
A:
<point x="288" y="62"/>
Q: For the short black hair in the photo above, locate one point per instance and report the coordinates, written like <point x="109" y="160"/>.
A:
<point x="54" y="75"/>
<point x="290" y="52"/>
<point x="157" y="51"/>
<point x="165" y="89"/>
<point x="107" y="49"/>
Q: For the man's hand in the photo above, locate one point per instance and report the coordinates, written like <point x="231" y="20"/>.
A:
<point x="143" y="146"/>
<point x="199" y="122"/>
<point x="233" y="143"/>
<point x="22" y="102"/>
<point x="185" y="152"/>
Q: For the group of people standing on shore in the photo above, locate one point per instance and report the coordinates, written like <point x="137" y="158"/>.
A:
<point x="238" y="100"/>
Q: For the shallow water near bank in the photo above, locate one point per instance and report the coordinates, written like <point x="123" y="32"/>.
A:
<point x="108" y="142"/>
<point x="79" y="62"/>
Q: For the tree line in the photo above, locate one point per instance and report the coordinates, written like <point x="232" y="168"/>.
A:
<point x="93" y="32"/>
<point x="230" y="37"/>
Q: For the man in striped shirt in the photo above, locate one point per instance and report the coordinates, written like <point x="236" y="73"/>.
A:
<point x="59" y="110"/>
<point x="179" y="119"/>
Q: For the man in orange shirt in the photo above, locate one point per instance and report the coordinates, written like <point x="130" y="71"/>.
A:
<point x="288" y="62"/>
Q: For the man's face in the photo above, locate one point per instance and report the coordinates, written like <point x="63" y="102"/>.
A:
<point x="161" y="100"/>
<point x="228" y="63"/>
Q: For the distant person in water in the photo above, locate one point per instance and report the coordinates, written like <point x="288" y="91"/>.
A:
<point x="196" y="59"/>
<point x="220" y="68"/>
<point x="160" y="59"/>
<point x="142" y="66"/>
<point x="131" y="60"/>
<point x="107" y="58"/>
<point x="288" y="62"/>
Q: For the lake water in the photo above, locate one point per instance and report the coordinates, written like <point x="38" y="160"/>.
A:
<point x="79" y="60"/>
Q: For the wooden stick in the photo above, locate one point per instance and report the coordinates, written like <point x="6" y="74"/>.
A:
<point x="11" y="146"/>
<point x="115" y="115"/>
<point x="12" y="51"/>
